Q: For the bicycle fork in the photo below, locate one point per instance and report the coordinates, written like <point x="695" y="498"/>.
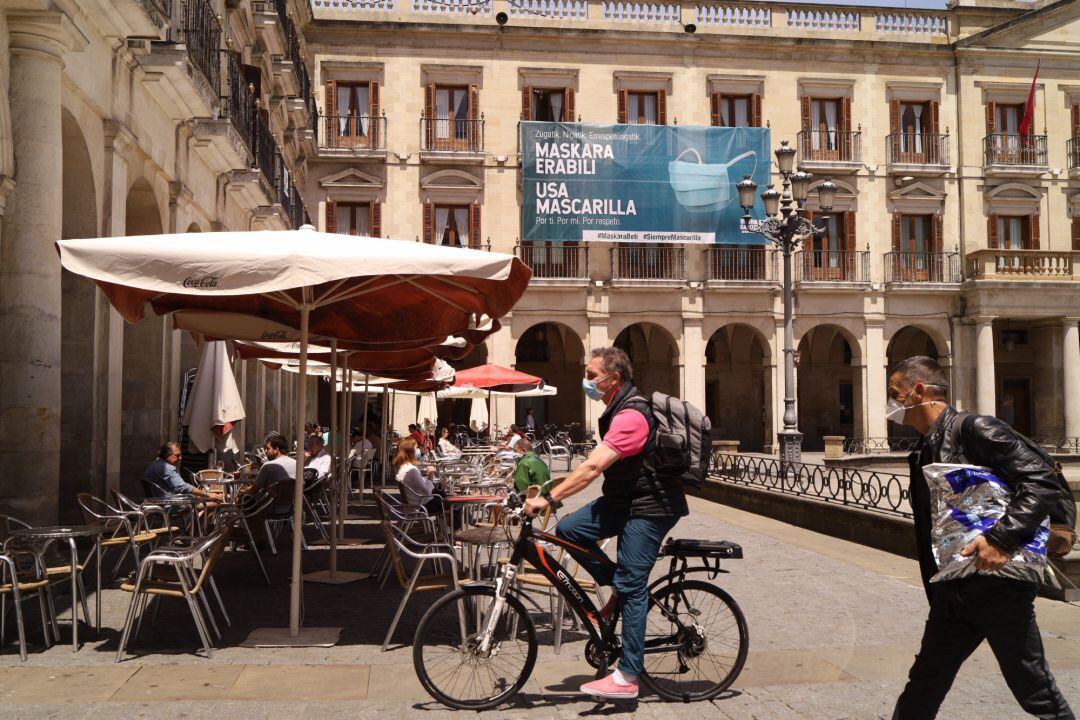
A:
<point x="503" y="583"/>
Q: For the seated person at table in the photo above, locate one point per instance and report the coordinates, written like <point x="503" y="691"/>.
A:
<point x="447" y="448"/>
<point x="531" y="470"/>
<point x="164" y="473"/>
<point x="318" y="458"/>
<point x="278" y="466"/>
<point x="513" y="437"/>
<point x="415" y="485"/>
<point x="360" y="444"/>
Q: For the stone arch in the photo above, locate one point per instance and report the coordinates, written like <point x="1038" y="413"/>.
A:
<point x="555" y="352"/>
<point x="737" y="386"/>
<point x="827" y="387"/>
<point x="909" y="341"/>
<point x="144" y="405"/>
<point x="654" y="355"/>
<point x="194" y="228"/>
<point x="80" y="440"/>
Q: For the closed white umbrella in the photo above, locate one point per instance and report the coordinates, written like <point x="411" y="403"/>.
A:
<point x="215" y="403"/>
<point x="383" y="294"/>
<point x="428" y="410"/>
<point x="478" y="412"/>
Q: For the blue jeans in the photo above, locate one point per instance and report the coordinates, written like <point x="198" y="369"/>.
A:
<point x="639" y="545"/>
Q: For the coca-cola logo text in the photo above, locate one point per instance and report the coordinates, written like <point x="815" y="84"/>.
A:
<point x="202" y="283"/>
<point x="274" y="336"/>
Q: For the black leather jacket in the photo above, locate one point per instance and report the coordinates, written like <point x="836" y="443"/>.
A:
<point x="989" y="442"/>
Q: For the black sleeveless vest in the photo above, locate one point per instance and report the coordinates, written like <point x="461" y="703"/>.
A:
<point x="630" y="482"/>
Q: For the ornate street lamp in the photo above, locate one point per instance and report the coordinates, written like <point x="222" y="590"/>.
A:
<point x="785" y="226"/>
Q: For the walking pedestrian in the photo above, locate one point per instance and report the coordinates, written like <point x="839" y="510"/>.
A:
<point x="989" y="604"/>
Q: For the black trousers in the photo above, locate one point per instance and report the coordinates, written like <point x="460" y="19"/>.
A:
<point x="962" y="614"/>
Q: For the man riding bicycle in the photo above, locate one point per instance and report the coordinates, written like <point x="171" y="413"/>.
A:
<point x="636" y="507"/>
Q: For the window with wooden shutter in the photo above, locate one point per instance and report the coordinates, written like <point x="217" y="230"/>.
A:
<point x="937" y="233"/>
<point x="1033" y="233"/>
<point x="849" y="231"/>
<point x="475" y="240"/>
<point x="373" y="111"/>
<point x="429" y="117"/>
<point x="330" y="111"/>
<point x="992" y="231"/>
<point x="1076" y="233"/>
<point x="526" y="103"/>
<point x="991" y="117"/>
<point x="755" y="110"/>
<point x="715" y="102"/>
<point x="804" y="103"/>
<point x="661" y="108"/>
<point x="894" y="117"/>
<point x="569" y="108"/>
<point x="1076" y="120"/>
<point x="846" y="144"/>
<point x="474" y="133"/>
<point x="429" y="223"/>
<point x="330" y="223"/>
<point x="897" y="232"/>
<point x="375" y="219"/>
<point x="622" y="115"/>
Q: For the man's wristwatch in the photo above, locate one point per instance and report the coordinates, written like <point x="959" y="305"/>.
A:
<point x="550" y="500"/>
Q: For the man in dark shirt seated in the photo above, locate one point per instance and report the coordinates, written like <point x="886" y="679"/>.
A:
<point x="164" y="475"/>
<point x="279" y="466"/>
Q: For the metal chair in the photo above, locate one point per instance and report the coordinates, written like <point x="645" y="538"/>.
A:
<point x="24" y="581"/>
<point x="249" y="507"/>
<point x="120" y="530"/>
<point x="398" y="543"/>
<point x="281" y="511"/>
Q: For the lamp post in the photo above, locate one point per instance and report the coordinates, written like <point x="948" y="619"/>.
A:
<point x="785" y="226"/>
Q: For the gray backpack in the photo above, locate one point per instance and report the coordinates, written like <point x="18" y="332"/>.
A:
<point x="682" y="446"/>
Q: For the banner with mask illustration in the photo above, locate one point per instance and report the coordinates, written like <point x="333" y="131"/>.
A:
<point x="637" y="183"/>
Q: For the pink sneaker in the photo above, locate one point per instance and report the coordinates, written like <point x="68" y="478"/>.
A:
<point x="607" y="688"/>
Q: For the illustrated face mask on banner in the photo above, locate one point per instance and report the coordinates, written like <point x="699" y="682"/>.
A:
<point x="701" y="187"/>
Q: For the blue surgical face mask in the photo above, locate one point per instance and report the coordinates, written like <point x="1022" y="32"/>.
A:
<point x="701" y="187"/>
<point x="593" y="392"/>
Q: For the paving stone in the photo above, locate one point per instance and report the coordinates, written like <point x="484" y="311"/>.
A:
<point x="81" y="684"/>
<point x="300" y="682"/>
<point x="178" y="682"/>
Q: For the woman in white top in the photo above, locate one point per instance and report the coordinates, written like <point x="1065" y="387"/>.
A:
<point x="445" y="446"/>
<point x="416" y="486"/>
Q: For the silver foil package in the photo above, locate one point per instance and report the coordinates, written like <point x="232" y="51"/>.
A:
<point x="965" y="502"/>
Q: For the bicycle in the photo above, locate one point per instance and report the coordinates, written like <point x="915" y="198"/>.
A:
<point x="476" y="646"/>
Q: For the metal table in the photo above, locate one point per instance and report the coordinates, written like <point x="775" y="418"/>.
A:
<point x="71" y="533"/>
<point x="173" y="500"/>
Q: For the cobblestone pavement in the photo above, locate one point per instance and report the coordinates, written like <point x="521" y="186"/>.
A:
<point x="834" y="627"/>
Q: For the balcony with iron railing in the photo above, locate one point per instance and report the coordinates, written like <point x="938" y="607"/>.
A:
<point x="658" y="265"/>
<point x="289" y="65"/>
<point x="1024" y="265"/>
<point x="298" y="215"/>
<point x="263" y="150"/>
<point x="824" y="149"/>
<point x="1015" y="154"/>
<point x="722" y="17"/>
<point x="832" y="266"/>
<point x="917" y="152"/>
<point x="457" y="138"/>
<point x="238" y="101"/>
<point x="223" y="139"/>
<point x="741" y="265"/>
<point x="353" y="134"/>
<point x="555" y="262"/>
<point x="922" y="267"/>
<point x="200" y="32"/>
<point x="1072" y="151"/>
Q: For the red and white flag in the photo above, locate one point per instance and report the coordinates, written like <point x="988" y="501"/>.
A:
<point x="1029" y="106"/>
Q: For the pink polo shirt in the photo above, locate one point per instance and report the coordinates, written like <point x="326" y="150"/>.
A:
<point x="628" y="433"/>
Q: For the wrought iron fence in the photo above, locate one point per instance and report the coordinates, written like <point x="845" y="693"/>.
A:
<point x="238" y="104"/>
<point x="738" y="262"/>
<point x="1072" y="149"/>
<point x="262" y="148"/>
<point x="1015" y="149"/>
<point x="200" y="32"/>
<point x="1059" y="445"/>
<point x="358" y="132"/>
<point x="283" y="188"/>
<point x="304" y="79"/>
<point x="648" y="262"/>
<point x="297" y="212"/>
<point x="292" y="44"/>
<point x="872" y="445"/>
<point x="918" y="148"/>
<point x="882" y="492"/>
<point x="935" y="267"/>
<point x="451" y="134"/>
<point x="833" y="266"/>
<point x="555" y="260"/>
<point x="830" y="145"/>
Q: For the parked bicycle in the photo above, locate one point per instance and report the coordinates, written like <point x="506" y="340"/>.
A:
<point x="476" y="646"/>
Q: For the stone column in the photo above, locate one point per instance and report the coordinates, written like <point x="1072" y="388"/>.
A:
<point x="778" y="382"/>
<point x="29" y="270"/>
<point x="1070" y="365"/>
<point x="598" y="337"/>
<point x="501" y="351"/>
<point x="985" y="387"/>
<point x="693" y="362"/>
<point x="875" y="379"/>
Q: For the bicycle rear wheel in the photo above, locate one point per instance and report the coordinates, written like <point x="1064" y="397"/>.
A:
<point x="449" y="662"/>
<point x="701" y="659"/>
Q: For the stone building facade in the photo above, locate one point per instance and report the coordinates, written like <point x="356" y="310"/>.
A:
<point x="129" y="118"/>
<point x="952" y="234"/>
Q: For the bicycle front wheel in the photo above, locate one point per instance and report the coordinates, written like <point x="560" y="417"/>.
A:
<point x="451" y="661"/>
<point x="699" y="656"/>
